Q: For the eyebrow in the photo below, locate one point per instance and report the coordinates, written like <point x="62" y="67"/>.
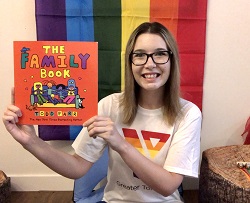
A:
<point x="143" y="51"/>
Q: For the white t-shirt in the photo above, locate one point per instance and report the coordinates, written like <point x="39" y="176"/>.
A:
<point x="176" y="148"/>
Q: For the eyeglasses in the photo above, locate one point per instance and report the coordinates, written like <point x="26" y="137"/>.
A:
<point x="159" y="57"/>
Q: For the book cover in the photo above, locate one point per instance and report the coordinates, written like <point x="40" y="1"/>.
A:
<point x="56" y="82"/>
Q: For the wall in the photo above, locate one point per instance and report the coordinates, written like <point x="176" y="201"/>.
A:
<point x="226" y="87"/>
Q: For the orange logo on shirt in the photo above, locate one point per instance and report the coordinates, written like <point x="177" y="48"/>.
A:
<point x="154" y="141"/>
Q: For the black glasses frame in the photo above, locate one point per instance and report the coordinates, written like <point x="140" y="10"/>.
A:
<point x="170" y="53"/>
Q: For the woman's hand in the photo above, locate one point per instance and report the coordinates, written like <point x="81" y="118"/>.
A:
<point x="105" y="128"/>
<point x="21" y="133"/>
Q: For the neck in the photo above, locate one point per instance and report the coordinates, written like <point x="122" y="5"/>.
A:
<point x="151" y="99"/>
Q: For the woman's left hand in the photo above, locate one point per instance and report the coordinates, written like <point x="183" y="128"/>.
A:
<point x="105" y="128"/>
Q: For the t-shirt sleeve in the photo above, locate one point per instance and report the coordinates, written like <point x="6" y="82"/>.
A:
<point x="87" y="147"/>
<point x="184" y="152"/>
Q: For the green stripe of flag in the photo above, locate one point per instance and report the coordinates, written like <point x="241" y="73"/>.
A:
<point x="107" y="31"/>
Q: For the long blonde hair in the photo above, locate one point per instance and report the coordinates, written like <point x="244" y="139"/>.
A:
<point x="129" y="101"/>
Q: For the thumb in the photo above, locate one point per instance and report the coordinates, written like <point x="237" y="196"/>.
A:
<point x="12" y="95"/>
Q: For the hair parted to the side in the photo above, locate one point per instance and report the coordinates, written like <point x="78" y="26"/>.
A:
<point x="129" y="101"/>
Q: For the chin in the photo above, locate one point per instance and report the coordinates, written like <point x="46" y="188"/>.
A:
<point x="151" y="87"/>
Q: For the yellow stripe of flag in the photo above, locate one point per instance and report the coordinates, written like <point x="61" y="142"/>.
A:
<point x="133" y="14"/>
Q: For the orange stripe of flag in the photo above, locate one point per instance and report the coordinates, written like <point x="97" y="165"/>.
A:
<point x="166" y="13"/>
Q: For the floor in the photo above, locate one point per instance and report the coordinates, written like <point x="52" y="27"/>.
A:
<point x="190" y="196"/>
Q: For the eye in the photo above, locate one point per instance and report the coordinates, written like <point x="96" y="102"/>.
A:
<point x="139" y="55"/>
<point x="161" y="53"/>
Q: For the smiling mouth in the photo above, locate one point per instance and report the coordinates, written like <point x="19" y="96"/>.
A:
<point x="150" y="76"/>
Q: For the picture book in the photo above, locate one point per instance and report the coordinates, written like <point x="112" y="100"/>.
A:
<point x="56" y="82"/>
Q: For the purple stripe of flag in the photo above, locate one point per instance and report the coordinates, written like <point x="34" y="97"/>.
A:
<point x="51" y="22"/>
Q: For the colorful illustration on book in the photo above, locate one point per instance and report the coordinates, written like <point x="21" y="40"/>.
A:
<point x="50" y="94"/>
<point x="56" y="81"/>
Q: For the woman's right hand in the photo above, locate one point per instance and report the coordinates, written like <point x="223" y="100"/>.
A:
<point x="21" y="133"/>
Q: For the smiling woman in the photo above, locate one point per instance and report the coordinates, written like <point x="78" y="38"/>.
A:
<point x="150" y="39"/>
<point x="151" y="117"/>
<point x="151" y="67"/>
<point x="149" y="129"/>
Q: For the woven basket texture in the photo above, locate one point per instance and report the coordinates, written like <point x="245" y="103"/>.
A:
<point x="221" y="181"/>
<point x="5" y="188"/>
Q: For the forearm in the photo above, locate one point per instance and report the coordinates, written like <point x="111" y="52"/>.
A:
<point x="64" y="164"/>
<point x="152" y="174"/>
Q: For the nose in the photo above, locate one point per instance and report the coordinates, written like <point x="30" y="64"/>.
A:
<point x="150" y="62"/>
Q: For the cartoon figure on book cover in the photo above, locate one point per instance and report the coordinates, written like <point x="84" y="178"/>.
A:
<point x="49" y="94"/>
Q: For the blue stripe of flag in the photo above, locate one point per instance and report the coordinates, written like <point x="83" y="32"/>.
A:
<point x="79" y="20"/>
<point x="80" y="27"/>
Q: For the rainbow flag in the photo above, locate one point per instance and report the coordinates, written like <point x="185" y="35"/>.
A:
<point x="110" y="23"/>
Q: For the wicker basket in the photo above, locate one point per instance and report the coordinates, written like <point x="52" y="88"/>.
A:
<point x="220" y="178"/>
<point x="5" y="188"/>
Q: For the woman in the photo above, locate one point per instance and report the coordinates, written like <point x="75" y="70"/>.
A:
<point x="153" y="135"/>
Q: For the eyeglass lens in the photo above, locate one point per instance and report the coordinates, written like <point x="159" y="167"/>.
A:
<point x="160" y="57"/>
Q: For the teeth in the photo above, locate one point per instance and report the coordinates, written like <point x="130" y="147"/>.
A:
<point x="150" y="76"/>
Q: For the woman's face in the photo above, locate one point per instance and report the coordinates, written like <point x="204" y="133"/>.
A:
<point x="151" y="76"/>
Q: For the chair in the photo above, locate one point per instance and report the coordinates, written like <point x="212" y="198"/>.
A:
<point x="84" y="187"/>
